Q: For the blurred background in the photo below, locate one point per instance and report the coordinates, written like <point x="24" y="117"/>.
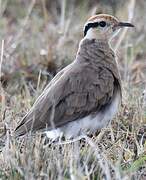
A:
<point x="41" y="36"/>
<point x="37" y="39"/>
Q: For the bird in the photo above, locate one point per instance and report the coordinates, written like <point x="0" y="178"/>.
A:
<point x="84" y="96"/>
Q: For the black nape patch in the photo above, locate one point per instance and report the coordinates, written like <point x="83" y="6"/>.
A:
<point x="90" y="25"/>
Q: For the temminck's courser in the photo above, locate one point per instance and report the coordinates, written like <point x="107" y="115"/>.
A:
<point x="84" y="96"/>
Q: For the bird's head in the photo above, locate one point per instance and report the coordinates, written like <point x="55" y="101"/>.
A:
<point x="103" y="27"/>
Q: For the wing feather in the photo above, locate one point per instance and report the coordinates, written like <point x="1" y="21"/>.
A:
<point x="74" y="93"/>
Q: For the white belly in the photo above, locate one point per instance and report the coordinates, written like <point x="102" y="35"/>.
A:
<point x="88" y="124"/>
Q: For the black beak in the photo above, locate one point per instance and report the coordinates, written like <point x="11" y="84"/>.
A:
<point x="125" y="24"/>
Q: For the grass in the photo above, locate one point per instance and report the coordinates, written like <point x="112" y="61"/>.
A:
<point x="38" y="38"/>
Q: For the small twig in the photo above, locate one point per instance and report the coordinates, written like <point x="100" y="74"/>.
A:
<point x="5" y="126"/>
<point x="1" y="58"/>
<point x="62" y="17"/>
<point x="1" y="88"/>
<point x="100" y="135"/>
<point x="66" y="142"/>
<point x="72" y="141"/>
<point x="38" y="82"/>
<point x="45" y="13"/>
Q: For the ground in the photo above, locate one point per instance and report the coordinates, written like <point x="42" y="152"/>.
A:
<point x="37" y="39"/>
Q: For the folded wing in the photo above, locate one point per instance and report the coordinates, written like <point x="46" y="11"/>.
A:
<point x="74" y="93"/>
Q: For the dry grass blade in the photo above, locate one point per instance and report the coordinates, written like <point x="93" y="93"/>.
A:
<point x="2" y="92"/>
<point x="40" y="38"/>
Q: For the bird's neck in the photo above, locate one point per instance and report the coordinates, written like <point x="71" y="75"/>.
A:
<point x="91" y="49"/>
<point x="96" y="42"/>
<point x="91" y="45"/>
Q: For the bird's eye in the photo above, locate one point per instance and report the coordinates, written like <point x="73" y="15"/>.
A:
<point x="102" y="23"/>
